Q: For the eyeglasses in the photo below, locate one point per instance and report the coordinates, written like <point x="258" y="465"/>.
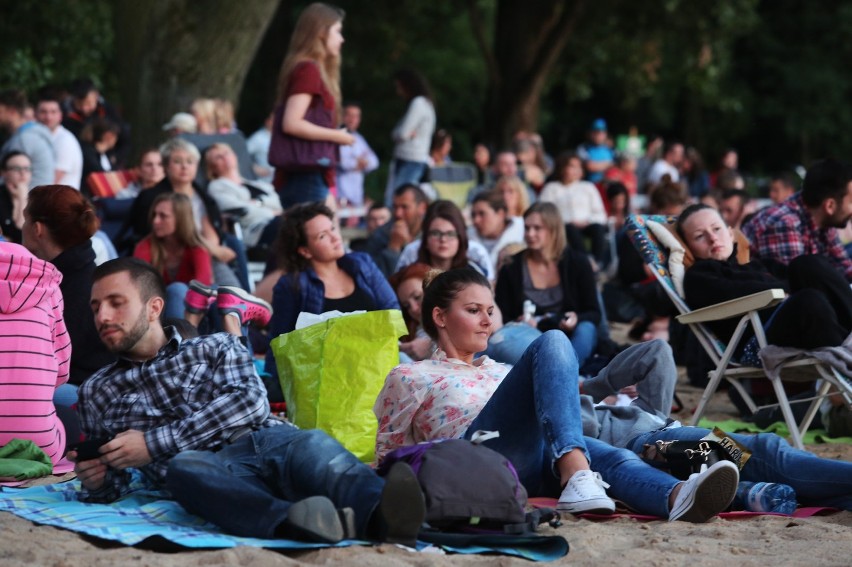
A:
<point x="19" y="168"/>
<point x="440" y="234"/>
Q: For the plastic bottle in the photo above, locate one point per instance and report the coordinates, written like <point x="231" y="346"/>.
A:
<point x="765" y="497"/>
<point x="529" y="310"/>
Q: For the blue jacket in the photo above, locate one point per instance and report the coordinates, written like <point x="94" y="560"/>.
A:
<point x="287" y="303"/>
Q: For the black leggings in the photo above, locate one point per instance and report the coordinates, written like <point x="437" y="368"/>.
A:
<point x="818" y="312"/>
<point x="597" y="237"/>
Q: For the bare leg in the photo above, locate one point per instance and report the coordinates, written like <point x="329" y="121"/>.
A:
<point x="569" y="463"/>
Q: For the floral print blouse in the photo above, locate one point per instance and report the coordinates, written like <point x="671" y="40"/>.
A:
<point x="436" y="398"/>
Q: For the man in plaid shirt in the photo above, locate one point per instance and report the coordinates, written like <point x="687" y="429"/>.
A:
<point x="807" y="222"/>
<point x="193" y="415"/>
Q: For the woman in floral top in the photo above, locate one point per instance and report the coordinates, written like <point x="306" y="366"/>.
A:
<point x="535" y="406"/>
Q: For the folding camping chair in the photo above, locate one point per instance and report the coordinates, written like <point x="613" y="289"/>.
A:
<point x="453" y="182"/>
<point x="662" y="251"/>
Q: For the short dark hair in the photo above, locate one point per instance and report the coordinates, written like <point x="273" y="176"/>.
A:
<point x="413" y="83"/>
<point x="9" y="155"/>
<point x="351" y="103"/>
<point x="81" y="87"/>
<point x="787" y="179"/>
<point x="147" y="280"/>
<point x="741" y="194"/>
<point x="493" y="199"/>
<point x="441" y="290"/>
<point x="419" y="195"/>
<point x="15" y="99"/>
<point x="826" y="179"/>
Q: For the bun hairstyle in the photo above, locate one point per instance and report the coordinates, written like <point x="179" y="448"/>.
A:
<point x="441" y="288"/>
<point x="69" y="217"/>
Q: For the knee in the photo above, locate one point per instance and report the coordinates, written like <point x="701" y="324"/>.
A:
<point x="186" y="465"/>
<point x="552" y="342"/>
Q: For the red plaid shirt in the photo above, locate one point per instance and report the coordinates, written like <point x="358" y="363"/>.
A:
<point x="787" y="230"/>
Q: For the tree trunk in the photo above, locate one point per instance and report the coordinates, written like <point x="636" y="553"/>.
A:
<point x="528" y="38"/>
<point x="173" y="52"/>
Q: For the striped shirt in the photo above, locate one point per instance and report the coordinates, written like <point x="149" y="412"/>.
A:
<point x="35" y="350"/>
<point x="193" y="395"/>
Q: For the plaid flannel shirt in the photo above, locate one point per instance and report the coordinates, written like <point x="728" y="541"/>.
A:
<point x="193" y="395"/>
<point x="785" y="231"/>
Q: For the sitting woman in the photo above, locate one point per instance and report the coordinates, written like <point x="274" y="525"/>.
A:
<point x="580" y="204"/>
<point x="255" y="204"/>
<point x="180" y="159"/>
<point x="447" y="245"/>
<point x="408" y="285"/>
<point x="515" y="194"/>
<point x="175" y="249"/>
<point x="492" y="225"/>
<point x="536" y="408"/>
<point x="319" y="275"/>
<point x="558" y="281"/>
<point x="58" y="225"/>
<point x="35" y="350"/>
<point x="17" y="172"/>
<point x="817" y="313"/>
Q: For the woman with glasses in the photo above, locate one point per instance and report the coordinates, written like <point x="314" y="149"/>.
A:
<point x="444" y="243"/>
<point x="17" y="174"/>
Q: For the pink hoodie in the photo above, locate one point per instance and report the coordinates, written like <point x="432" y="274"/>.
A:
<point x="34" y="350"/>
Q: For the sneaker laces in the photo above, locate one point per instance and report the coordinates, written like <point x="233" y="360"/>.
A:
<point x="590" y="477"/>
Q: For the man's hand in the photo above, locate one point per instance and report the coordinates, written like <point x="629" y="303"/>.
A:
<point x="91" y="473"/>
<point x="399" y="235"/>
<point x="128" y="449"/>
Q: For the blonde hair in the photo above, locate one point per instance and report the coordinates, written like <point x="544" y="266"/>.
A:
<point x="516" y="185"/>
<point x="223" y="111"/>
<point x="552" y="220"/>
<point x="308" y="44"/>
<point x="204" y="110"/>
<point x="185" y="231"/>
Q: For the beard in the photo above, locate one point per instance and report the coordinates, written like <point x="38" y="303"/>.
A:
<point x="131" y="337"/>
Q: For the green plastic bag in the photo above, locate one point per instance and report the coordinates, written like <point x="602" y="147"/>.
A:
<point x="331" y="374"/>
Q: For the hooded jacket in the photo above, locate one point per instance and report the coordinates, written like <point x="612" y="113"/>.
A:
<point x="35" y="350"/>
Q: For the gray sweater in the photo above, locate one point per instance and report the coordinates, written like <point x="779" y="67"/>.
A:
<point x="413" y="133"/>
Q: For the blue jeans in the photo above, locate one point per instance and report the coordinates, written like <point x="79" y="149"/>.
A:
<point x="65" y="395"/>
<point x="510" y="341"/>
<point x="175" y="294"/>
<point x="303" y="187"/>
<point x="247" y="487"/>
<point x="240" y="263"/>
<point x="536" y="409"/>
<point x="817" y="482"/>
<point x="408" y="172"/>
<point x="584" y="339"/>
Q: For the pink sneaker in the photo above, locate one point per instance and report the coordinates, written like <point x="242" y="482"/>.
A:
<point x="251" y="309"/>
<point x="199" y="298"/>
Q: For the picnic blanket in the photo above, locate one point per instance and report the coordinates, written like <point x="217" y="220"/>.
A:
<point x="147" y="513"/>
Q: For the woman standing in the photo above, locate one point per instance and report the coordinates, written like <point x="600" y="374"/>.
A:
<point x="558" y="281"/>
<point x="308" y="112"/>
<point x="175" y="249"/>
<point x="412" y="135"/>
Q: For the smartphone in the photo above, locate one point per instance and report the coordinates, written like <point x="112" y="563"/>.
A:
<point x="88" y="449"/>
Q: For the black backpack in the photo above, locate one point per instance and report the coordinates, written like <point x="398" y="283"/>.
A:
<point x="470" y="488"/>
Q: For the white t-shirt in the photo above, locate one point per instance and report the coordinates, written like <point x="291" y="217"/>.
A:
<point x="69" y="156"/>
<point x="579" y="202"/>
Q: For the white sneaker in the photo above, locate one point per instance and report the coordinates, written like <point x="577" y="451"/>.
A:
<point x="585" y="493"/>
<point x="706" y="494"/>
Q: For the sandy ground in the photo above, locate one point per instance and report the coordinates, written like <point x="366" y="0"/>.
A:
<point x="825" y="540"/>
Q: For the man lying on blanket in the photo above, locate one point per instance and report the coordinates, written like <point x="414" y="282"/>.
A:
<point x="193" y="415"/>
<point x="651" y="367"/>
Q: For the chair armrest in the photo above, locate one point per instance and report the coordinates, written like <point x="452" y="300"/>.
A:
<point x="735" y="307"/>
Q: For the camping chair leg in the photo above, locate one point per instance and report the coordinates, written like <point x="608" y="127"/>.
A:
<point x="784" y="404"/>
<point x="709" y="390"/>
<point x="822" y="392"/>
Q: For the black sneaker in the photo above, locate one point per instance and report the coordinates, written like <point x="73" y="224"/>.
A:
<point x="402" y="507"/>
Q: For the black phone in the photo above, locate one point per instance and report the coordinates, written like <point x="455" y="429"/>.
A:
<point x="88" y="449"/>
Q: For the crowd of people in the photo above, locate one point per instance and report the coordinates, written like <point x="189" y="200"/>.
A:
<point x="140" y="337"/>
